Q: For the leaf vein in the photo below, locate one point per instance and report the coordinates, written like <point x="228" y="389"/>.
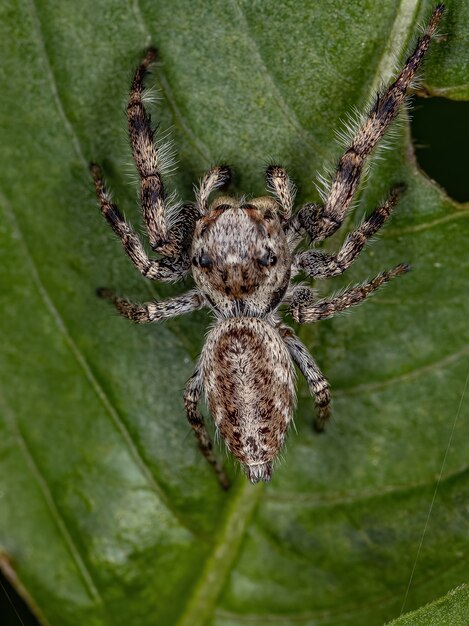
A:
<point x="325" y="615"/>
<point x="194" y="140"/>
<point x="53" y="85"/>
<point x="365" y="494"/>
<point x="89" y="375"/>
<point x="398" y="34"/>
<point x="51" y="505"/>
<point x="396" y="232"/>
<point x="283" y="105"/>
<point x="409" y="375"/>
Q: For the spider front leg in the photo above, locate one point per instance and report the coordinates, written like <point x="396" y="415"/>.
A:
<point x="164" y="269"/>
<point x="304" y="307"/>
<point x="164" y="237"/>
<point x="318" y="264"/>
<point x="321" y="222"/>
<point x="157" y="310"/>
<point x="147" y="159"/>
<point x="191" y="399"/>
<point x="317" y="383"/>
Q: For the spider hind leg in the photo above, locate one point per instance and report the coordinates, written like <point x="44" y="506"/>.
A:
<point x="323" y="222"/>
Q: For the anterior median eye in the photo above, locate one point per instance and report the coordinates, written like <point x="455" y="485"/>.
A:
<point x="268" y="259"/>
<point x="205" y="260"/>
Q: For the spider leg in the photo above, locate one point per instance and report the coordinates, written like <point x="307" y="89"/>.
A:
<point x="318" y="264"/>
<point x="157" y="310"/>
<point x="181" y="232"/>
<point x="191" y="399"/>
<point x="318" y="385"/>
<point x="163" y="269"/>
<point x="323" y="222"/>
<point x="304" y="308"/>
<point x="279" y="183"/>
<point x="147" y="157"/>
<point x="299" y="224"/>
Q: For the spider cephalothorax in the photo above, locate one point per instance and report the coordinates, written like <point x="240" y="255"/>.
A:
<point x="242" y="256"/>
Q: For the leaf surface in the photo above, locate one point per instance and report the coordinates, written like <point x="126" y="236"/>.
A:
<point x="108" y="513"/>
<point x="451" y="610"/>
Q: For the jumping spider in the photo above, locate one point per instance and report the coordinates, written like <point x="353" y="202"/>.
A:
<point x="241" y="254"/>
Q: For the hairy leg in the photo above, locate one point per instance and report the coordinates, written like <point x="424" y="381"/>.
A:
<point x="322" y="222"/>
<point x="170" y="269"/>
<point x="317" y="383"/>
<point x="154" y="311"/>
<point x="147" y="157"/>
<point x="181" y="232"/>
<point x="318" y="264"/>
<point x="295" y="229"/>
<point x="305" y="308"/>
<point x="191" y="399"/>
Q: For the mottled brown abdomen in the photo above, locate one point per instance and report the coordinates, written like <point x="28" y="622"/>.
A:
<point x="249" y="387"/>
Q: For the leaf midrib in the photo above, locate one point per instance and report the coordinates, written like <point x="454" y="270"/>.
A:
<point x="225" y="550"/>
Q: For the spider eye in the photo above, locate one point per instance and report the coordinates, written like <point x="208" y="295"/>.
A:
<point x="268" y="259"/>
<point x="205" y="260"/>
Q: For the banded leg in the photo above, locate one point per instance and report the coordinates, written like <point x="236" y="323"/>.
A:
<point x="216" y="178"/>
<point x="191" y="399"/>
<point x="324" y="223"/>
<point x="305" y="309"/>
<point x="279" y="183"/>
<point x="165" y="237"/>
<point x="318" y="385"/>
<point x="148" y="159"/>
<point x="318" y="264"/>
<point x="163" y="269"/>
<point x="295" y="228"/>
<point x="181" y="232"/>
<point x="154" y="311"/>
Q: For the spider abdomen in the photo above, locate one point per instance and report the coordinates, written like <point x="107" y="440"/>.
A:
<point x="248" y="378"/>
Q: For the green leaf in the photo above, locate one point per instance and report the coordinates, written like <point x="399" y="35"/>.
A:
<point x="108" y="513"/>
<point x="451" y="610"/>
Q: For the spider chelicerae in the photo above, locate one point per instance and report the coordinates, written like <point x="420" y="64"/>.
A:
<point x="241" y="254"/>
